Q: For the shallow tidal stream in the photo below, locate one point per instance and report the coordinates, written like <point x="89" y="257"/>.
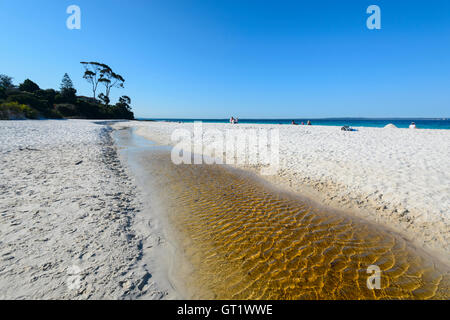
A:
<point x="242" y="238"/>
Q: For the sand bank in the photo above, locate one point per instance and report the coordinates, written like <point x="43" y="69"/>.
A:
<point x="68" y="215"/>
<point x="399" y="178"/>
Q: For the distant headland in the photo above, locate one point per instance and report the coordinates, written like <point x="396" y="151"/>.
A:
<point x="29" y="101"/>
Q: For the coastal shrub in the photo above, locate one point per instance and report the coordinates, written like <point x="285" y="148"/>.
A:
<point x="28" y="86"/>
<point x="90" y="110"/>
<point x="51" y="114"/>
<point x="53" y="104"/>
<point x="67" y="109"/>
<point x="122" y="109"/>
<point x="43" y="107"/>
<point x="68" y="96"/>
<point x="121" y="112"/>
<point x="46" y="95"/>
<point x="63" y="99"/>
<point x="6" y="81"/>
<point x="14" y="110"/>
<point x="30" y="100"/>
<point x="11" y="91"/>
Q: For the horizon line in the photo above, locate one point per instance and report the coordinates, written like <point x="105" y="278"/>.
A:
<point x="303" y="118"/>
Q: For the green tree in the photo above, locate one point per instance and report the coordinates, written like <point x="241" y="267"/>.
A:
<point x="110" y="79"/>
<point x="105" y="99"/>
<point x="68" y="92"/>
<point x="66" y="83"/>
<point x="92" y="74"/>
<point x="124" y="101"/>
<point x="5" y="81"/>
<point x="122" y="109"/>
<point x="29" y="86"/>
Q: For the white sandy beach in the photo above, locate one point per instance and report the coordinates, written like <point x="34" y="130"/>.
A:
<point x="399" y="178"/>
<point x="68" y="226"/>
<point x="74" y="224"/>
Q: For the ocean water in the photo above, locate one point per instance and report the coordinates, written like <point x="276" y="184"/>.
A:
<point x="443" y="123"/>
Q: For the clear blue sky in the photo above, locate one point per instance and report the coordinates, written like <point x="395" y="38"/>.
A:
<point x="251" y="59"/>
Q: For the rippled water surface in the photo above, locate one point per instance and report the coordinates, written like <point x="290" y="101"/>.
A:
<point x="245" y="240"/>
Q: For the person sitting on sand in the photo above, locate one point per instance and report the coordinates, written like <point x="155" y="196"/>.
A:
<point x="347" y="128"/>
<point x="308" y="123"/>
<point x="412" y="125"/>
<point x="302" y="123"/>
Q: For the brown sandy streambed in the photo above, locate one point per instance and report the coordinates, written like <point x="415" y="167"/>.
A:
<point x="244" y="239"/>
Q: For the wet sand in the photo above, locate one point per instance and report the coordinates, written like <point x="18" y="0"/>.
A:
<point x="236" y="236"/>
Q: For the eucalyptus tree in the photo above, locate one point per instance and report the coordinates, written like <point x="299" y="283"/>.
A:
<point x="110" y="80"/>
<point x="92" y="74"/>
<point x="96" y="72"/>
<point x="104" y="99"/>
<point x="125" y="101"/>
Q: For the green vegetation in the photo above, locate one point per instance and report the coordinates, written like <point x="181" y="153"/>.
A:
<point x="16" y="111"/>
<point x="29" y="101"/>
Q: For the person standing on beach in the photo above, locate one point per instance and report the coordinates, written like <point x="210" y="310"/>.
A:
<point x="308" y="123"/>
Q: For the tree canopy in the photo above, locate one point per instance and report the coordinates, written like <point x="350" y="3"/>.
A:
<point x="5" y="81"/>
<point x="30" y="101"/>
<point x="28" y="86"/>
<point x="66" y="87"/>
<point x="66" y="82"/>
<point x="96" y="72"/>
<point x="92" y="74"/>
<point x="110" y="80"/>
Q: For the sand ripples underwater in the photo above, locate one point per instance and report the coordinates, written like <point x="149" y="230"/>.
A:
<point x="245" y="240"/>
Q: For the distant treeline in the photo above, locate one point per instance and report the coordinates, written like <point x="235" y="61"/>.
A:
<point x="29" y="101"/>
